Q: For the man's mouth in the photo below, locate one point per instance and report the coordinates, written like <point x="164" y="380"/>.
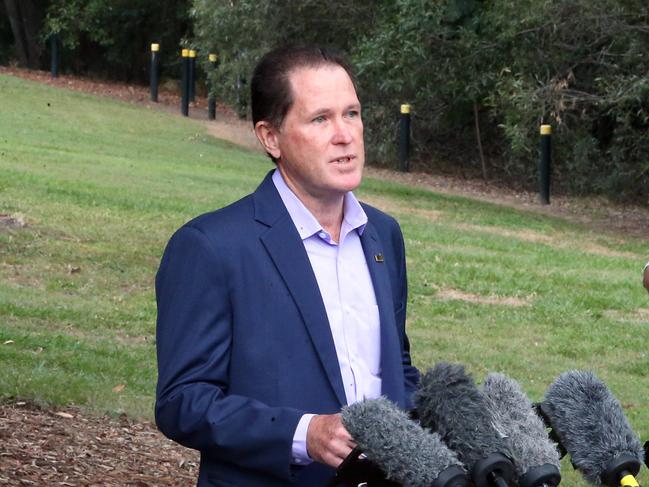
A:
<point x="344" y="159"/>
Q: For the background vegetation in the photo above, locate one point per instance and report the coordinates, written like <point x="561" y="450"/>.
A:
<point x="498" y="68"/>
<point x="106" y="38"/>
<point x="91" y="190"/>
<point x="506" y="66"/>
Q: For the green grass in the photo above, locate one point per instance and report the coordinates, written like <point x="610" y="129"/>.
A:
<point x="102" y="185"/>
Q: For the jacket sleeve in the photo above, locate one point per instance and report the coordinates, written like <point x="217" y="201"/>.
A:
<point x="194" y="337"/>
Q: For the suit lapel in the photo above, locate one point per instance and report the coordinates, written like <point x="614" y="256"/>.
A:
<point x="391" y="366"/>
<point x="286" y="249"/>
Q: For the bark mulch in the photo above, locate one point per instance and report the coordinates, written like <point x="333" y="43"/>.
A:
<point x="66" y="447"/>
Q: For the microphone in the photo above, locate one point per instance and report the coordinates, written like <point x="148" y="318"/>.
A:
<point x="449" y="402"/>
<point x="404" y="451"/>
<point x="590" y="424"/>
<point x="535" y="457"/>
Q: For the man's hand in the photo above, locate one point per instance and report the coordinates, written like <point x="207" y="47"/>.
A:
<point x="645" y="279"/>
<point x="327" y="440"/>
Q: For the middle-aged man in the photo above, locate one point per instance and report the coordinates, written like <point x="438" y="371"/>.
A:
<point x="281" y="308"/>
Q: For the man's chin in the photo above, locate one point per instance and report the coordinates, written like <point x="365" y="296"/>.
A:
<point x="351" y="181"/>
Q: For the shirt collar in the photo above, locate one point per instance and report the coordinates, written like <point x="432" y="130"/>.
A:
<point x="354" y="217"/>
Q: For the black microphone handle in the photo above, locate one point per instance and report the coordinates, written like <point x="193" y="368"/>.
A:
<point x="497" y="480"/>
<point x="495" y="470"/>
<point x="547" y="475"/>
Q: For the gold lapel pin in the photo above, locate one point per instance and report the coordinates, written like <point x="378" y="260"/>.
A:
<point x="378" y="258"/>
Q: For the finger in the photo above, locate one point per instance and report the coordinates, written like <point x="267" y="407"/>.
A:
<point x="340" y="449"/>
<point x="343" y="434"/>
<point x="335" y="459"/>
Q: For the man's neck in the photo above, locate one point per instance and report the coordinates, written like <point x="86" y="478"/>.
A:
<point x="329" y="215"/>
<point x="329" y="210"/>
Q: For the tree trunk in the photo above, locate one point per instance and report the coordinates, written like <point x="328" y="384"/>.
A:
<point x="25" y="18"/>
<point x="33" y="12"/>
<point x="479" y="139"/>
<point x="13" y="12"/>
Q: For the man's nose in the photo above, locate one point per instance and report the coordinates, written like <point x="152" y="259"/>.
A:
<point x="342" y="132"/>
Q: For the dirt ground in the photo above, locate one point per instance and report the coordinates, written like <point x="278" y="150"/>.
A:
<point x="64" y="447"/>
<point x="67" y="447"/>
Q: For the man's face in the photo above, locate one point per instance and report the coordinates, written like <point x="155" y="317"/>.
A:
<point x="320" y="143"/>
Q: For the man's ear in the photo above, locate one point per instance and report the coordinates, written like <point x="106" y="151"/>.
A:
<point x="267" y="135"/>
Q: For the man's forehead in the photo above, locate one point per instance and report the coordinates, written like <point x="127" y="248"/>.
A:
<point x="309" y="81"/>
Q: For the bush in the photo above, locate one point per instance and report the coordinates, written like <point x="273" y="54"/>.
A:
<point x="503" y="66"/>
<point x="575" y="64"/>
<point x="241" y="32"/>
<point x="112" y="38"/>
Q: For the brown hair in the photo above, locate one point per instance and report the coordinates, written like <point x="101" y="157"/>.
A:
<point x="270" y="89"/>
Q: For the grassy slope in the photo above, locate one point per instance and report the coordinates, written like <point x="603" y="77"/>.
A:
<point x="103" y="184"/>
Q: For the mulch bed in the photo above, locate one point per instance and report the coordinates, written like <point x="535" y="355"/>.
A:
<point x="66" y="447"/>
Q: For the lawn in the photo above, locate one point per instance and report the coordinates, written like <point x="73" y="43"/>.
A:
<point x="91" y="189"/>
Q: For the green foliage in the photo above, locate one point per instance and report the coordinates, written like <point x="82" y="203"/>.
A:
<point x="500" y="66"/>
<point x="241" y="32"/>
<point x="417" y="53"/>
<point x="113" y="38"/>
<point x="576" y="64"/>
<point x="579" y="65"/>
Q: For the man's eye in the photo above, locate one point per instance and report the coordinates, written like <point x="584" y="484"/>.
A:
<point x="353" y="113"/>
<point x="319" y="119"/>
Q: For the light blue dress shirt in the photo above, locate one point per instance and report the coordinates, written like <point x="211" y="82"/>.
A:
<point x="348" y="295"/>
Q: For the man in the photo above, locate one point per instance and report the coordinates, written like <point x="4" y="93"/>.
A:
<point x="645" y="277"/>
<point x="279" y="309"/>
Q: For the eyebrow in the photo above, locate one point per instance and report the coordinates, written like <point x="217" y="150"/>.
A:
<point x="323" y="110"/>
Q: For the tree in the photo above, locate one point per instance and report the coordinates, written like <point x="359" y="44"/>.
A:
<point x="26" y="20"/>
<point x="240" y="32"/>
<point x="112" y="38"/>
<point x="581" y="66"/>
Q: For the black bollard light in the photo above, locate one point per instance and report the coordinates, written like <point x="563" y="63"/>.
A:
<point x="211" y="101"/>
<point x="404" y="138"/>
<point x="155" y="68"/>
<point x="192" y="75"/>
<point x="184" y="98"/>
<point x="545" y="164"/>
<point x="55" y="44"/>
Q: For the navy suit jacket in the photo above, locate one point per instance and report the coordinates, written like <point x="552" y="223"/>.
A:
<point x="244" y="345"/>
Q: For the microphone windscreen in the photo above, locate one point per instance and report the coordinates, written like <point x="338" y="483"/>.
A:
<point x="449" y="402"/>
<point x="405" y="452"/>
<point x="590" y="424"/>
<point x="515" y="418"/>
